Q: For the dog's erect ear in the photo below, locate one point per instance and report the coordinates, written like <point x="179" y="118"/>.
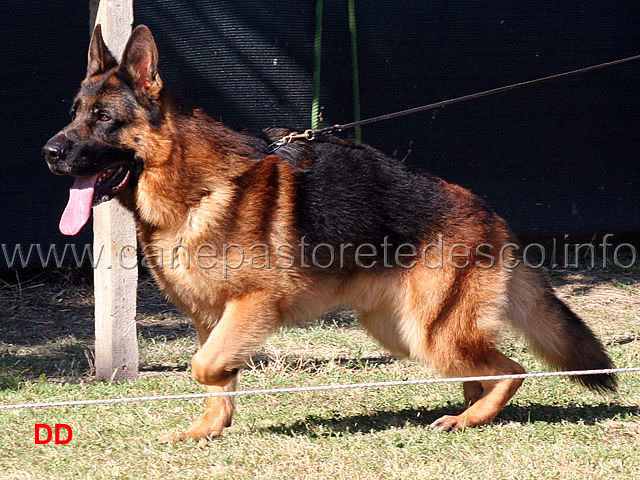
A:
<point x="140" y="61"/>
<point x="100" y="59"/>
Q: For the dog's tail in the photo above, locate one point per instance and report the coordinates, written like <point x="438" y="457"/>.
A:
<point x="555" y="333"/>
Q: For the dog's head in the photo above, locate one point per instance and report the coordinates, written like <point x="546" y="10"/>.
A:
<point x="116" y="107"/>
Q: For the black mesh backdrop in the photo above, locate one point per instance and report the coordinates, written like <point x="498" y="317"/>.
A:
<point x="44" y="51"/>
<point x="553" y="159"/>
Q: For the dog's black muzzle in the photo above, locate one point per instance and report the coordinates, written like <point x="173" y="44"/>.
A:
<point x="55" y="152"/>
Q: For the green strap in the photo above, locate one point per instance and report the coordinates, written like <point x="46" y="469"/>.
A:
<point x="317" y="49"/>
<point x="355" y="74"/>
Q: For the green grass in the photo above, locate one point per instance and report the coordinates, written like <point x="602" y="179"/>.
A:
<point x="552" y="428"/>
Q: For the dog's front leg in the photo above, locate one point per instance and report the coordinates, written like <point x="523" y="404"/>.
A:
<point x="217" y="415"/>
<point x="245" y="324"/>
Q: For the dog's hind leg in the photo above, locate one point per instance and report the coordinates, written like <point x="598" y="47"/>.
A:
<point x="455" y="347"/>
<point x="457" y="323"/>
<point x="486" y="398"/>
<point x="462" y="343"/>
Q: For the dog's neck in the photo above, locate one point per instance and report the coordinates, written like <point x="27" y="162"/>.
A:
<point x="188" y="173"/>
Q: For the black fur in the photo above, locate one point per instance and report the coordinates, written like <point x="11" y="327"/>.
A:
<point x="355" y="194"/>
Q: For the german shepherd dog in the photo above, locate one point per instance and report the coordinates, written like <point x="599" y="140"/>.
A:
<point x="259" y="240"/>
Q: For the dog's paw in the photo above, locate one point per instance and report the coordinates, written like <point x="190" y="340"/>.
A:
<point x="449" y="423"/>
<point x="194" y="433"/>
<point x="174" y="437"/>
<point x="185" y="437"/>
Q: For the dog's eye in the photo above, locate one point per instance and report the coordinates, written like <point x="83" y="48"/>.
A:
<point x="101" y="116"/>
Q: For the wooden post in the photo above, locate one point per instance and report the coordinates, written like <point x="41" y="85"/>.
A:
<point x="114" y="240"/>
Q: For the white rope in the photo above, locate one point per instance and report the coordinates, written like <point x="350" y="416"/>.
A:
<point x="237" y="393"/>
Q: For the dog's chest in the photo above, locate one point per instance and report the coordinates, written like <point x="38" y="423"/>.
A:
<point x="188" y="273"/>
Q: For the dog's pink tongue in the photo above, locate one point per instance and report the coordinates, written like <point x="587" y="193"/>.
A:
<point x="78" y="210"/>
